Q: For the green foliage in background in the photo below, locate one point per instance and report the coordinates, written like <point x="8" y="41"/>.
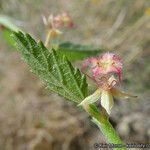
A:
<point x="78" y="51"/>
<point x="72" y="51"/>
<point x="8" y="23"/>
<point x="7" y="26"/>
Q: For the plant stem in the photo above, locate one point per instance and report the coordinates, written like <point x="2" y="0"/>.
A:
<point x="101" y="120"/>
<point x="48" y="37"/>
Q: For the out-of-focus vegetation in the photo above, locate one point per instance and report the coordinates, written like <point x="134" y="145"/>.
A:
<point x="33" y="118"/>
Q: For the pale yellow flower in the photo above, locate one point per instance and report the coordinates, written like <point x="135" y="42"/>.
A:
<point x="105" y="94"/>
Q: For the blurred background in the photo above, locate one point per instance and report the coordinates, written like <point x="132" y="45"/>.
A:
<point x="32" y="118"/>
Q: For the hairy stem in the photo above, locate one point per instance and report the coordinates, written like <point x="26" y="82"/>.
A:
<point x="101" y="120"/>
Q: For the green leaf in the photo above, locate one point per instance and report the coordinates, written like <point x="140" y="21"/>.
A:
<point x="78" y="52"/>
<point x="6" y="35"/>
<point x="8" y="23"/>
<point x="7" y="27"/>
<point x="52" y="68"/>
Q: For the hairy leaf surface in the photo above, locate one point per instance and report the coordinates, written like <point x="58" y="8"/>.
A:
<point x="52" y="67"/>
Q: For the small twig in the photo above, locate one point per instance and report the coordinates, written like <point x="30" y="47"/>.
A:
<point x="117" y="22"/>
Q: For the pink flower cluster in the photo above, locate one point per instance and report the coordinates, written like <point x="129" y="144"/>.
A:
<point x="61" y="20"/>
<point x="107" y="63"/>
